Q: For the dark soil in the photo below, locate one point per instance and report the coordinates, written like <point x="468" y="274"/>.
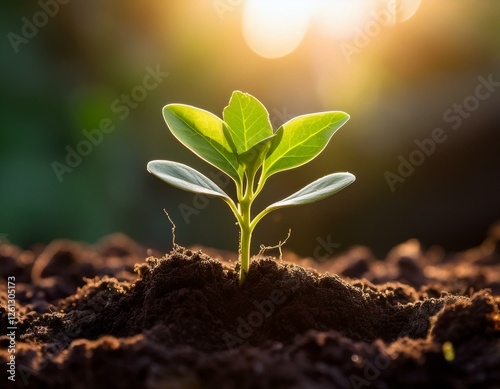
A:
<point x="90" y="317"/>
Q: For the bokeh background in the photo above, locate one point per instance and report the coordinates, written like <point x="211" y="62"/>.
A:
<point x="396" y="76"/>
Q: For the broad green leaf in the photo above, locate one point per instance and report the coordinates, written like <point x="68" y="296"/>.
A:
<point x="247" y="120"/>
<point x="186" y="178"/>
<point x="205" y="135"/>
<point x="301" y="139"/>
<point x="317" y="190"/>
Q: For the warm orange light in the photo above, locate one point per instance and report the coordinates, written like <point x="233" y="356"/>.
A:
<point x="340" y="18"/>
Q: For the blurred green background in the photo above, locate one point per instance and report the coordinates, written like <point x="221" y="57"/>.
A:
<point x="396" y="76"/>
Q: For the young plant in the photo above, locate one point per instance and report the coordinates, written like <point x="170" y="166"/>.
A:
<point x="244" y="146"/>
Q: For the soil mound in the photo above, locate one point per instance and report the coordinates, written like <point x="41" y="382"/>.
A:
<point x="418" y="319"/>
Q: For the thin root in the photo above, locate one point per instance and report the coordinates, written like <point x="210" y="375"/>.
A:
<point x="174" y="245"/>
<point x="278" y="246"/>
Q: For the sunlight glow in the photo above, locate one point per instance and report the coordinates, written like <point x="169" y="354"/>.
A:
<point x="274" y="28"/>
<point x="340" y="18"/>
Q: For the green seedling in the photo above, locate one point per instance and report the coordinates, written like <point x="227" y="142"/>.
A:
<point x="244" y="146"/>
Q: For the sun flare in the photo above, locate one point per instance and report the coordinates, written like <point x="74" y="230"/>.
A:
<point x="274" y="28"/>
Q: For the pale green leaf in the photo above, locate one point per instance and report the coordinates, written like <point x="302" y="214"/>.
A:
<point x="315" y="191"/>
<point x="186" y="178"/>
<point x="205" y="135"/>
<point x="301" y="139"/>
<point x="247" y="120"/>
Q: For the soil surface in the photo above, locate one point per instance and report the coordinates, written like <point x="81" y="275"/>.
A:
<point x="115" y="315"/>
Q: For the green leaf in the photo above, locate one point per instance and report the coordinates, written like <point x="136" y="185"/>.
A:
<point x="247" y="120"/>
<point x="205" y="135"/>
<point x="315" y="191"/>
<point x="301" y="139"/>
<point x="186" y="178"/>
<point x="253" y="158"/>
